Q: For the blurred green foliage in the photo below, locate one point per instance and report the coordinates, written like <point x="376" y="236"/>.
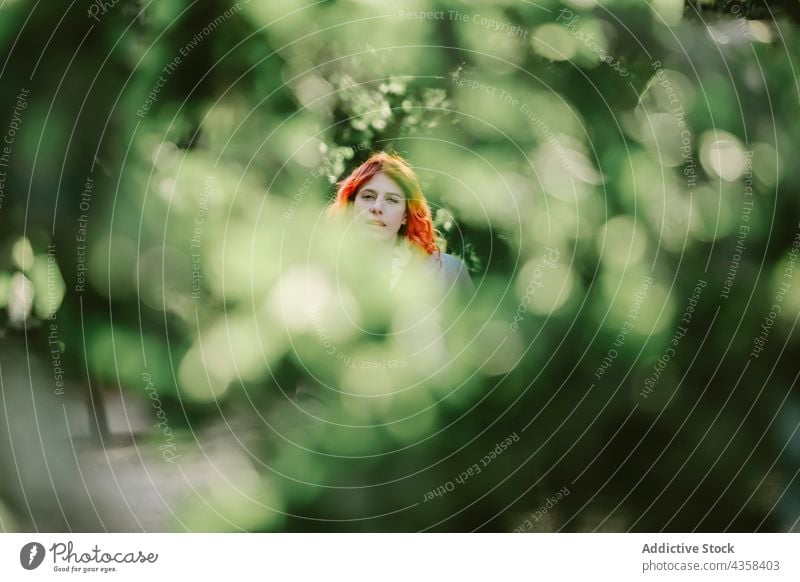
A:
<point x="570" y="152"/>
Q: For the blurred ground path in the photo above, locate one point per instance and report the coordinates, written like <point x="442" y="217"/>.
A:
<point x="135" y="488"/>
<point x="58" y="472"/>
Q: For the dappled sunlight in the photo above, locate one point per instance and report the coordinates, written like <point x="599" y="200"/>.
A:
<point x="325" y="266"/>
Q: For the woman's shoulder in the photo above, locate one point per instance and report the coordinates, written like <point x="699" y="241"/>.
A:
<point x="448" y="262"/>
<point x="453" y="269"/>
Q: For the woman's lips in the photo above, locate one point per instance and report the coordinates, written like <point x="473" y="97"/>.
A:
<point x="376" y="222"/>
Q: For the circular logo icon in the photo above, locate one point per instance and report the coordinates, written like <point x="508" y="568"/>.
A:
<point x="31" y="555"/>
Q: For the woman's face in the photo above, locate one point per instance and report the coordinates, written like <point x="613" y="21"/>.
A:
<point x="380" y="207"/>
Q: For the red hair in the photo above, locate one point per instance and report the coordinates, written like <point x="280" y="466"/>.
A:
<point x="419" y="226"/>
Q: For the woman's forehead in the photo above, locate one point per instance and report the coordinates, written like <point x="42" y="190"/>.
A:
<point x="380" y="182"/>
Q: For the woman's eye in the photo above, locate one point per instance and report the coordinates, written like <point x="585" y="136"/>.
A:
<point x="367" y="196"/>
<point x="394" y="200"/>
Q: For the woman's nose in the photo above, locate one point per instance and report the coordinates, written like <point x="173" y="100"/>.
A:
<point x="376" y="208"/>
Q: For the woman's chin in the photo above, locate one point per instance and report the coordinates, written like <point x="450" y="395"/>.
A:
<point x="377" y="233"/>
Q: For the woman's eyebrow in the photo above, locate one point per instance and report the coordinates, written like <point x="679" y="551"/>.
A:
<point x="371" y="191"/>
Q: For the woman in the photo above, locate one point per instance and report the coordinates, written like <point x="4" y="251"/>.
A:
<point x="388" y="206"/>
<point x="383" y="201"/>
